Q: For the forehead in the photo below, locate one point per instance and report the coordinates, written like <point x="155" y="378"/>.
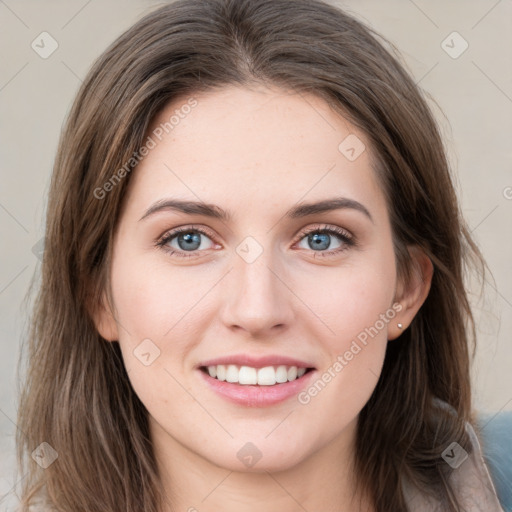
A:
<point x="246" y="146"/>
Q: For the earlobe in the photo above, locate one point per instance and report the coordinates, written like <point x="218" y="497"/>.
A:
<point x="412" y="296"/>
<point x="104" y="321"/>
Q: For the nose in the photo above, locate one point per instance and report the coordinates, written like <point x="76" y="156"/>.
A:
<point x="257" y="297"/>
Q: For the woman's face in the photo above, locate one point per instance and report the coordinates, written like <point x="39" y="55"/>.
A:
<point x="252" y="287"/>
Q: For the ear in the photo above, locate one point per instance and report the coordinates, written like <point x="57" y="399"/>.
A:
<point x="104" y="320"/>
<point x="412" y="296"/>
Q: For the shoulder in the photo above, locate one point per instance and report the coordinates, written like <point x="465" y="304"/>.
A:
<point x="473" y="481"/>
<point x="470" y="480"/>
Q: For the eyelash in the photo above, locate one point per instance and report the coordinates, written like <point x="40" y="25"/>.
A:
<point x="346" y="238"/>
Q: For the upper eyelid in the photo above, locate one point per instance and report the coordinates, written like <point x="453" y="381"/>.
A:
<point x="171" y="233"/>
<point x="325" y="227"/>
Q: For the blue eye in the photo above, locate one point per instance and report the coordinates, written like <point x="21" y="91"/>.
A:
<point x="333" y="238"/>
<point x="319" y="241"/>
<point x="189" y="241"/>
<point x="185" y="240"/>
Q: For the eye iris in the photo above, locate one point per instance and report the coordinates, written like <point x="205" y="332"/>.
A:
<point x="320" y="240"/>
<point x="190" y="241"/>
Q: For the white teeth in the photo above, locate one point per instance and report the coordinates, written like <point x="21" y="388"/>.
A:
<point x="266" y="376"/>
<point x="282" y="374"/>
<point x="292" y="373"/>
<point x="232" y="373"/>
<point x="246" y="375"/>
<point x="221" y="371"/>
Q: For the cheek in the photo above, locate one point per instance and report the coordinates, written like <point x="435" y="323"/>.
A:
<point x="153" y="302"/>
<point x="154" y="306"/>
<point x="355" y="306"/>
<point x="352" y="299"/>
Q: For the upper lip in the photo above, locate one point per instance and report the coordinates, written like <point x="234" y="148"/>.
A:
<point x="256" y="362"/>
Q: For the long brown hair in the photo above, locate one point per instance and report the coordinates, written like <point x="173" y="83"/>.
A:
<point x="76" y="394"/>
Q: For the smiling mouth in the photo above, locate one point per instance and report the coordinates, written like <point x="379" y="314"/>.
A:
<point x="249" y="376"/>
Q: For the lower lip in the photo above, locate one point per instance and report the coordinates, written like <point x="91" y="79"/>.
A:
<point x="257" y="396"/>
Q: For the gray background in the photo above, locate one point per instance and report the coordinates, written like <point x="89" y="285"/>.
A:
<point x="473" y="90"/>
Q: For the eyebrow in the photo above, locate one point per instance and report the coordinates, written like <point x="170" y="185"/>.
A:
<point x="216" y="212"/>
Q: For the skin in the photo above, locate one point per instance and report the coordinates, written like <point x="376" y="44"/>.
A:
<point x="257" y="153"/>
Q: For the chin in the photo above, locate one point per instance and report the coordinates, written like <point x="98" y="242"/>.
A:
<point x="259" y="456"/>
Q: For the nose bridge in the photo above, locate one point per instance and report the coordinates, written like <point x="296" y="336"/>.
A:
<point x="257" y="300"/>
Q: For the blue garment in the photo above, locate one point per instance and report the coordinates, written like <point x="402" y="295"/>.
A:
<point x="496" y="436"/>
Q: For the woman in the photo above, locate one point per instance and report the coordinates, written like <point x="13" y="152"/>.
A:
<point x="252" y="293"/>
